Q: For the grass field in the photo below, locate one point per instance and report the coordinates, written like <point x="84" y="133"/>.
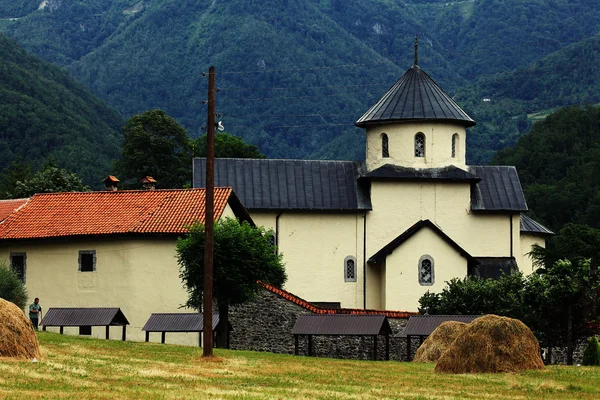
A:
<point x="81" y="368"/>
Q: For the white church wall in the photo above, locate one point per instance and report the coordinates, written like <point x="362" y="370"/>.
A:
<point x="315" y="246"/>
<point x="526" y="242"/>
<point x="399" y="205"/>
<point x="402" y="287"/>
<point x="401" y="137"/>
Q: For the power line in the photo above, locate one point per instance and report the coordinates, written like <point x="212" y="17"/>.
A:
<point x="235" y="89"/>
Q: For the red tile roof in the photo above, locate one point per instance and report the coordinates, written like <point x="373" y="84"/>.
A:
<point x="7" y="207"/>
<point x="319" y="310"/>
<point x="108" y="213"/>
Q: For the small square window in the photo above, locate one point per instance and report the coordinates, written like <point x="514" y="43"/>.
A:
<point x="87" y="260"/>
<point x="85" y="330"/>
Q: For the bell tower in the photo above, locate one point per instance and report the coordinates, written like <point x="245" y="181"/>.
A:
<point x="416" y="124"/>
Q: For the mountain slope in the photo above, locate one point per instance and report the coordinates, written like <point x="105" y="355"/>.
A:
<point x="295" y="74"/>
<point x="566" y="77"/>
<point x="44" y="112"/>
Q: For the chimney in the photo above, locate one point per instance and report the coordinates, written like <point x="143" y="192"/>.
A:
<point x="148" y="182"/>
<point x="110" y="183"/>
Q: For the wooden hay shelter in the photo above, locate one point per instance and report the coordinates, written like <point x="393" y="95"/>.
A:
<point x="17" y="337"/>
<point x="422" y="326"/>
<point x="440" y="339"/>
<point x="85" y="319"/>
<point x="492" y="344"/>
<point x="183" y="323"/>
<point x="342" y="325"/>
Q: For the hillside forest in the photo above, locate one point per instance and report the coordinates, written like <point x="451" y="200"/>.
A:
<point x="295" y="75"/>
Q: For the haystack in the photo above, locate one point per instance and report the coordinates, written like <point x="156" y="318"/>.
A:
<point x="492" y="344"/>
<point x="439" y="340"/>
<point x="17" y="337"/>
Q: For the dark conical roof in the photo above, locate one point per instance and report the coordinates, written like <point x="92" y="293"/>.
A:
<point x="415" y="97"/>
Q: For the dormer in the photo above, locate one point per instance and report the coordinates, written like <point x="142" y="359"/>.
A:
<point x="416" y="124"/>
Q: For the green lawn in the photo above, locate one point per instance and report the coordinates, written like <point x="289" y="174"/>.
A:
<point x="81" y="368"/>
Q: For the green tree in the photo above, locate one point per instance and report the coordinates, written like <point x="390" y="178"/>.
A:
<point x="156" y="145"/>
<point x="558" y="303"/>
<point x="591" y="353"/>
<point x="18" y="171"/>
<point x="243" y="256"/>
<point x="11" y="287"/>
<point x="227" y="146"/>
<point x="48" y="180"/>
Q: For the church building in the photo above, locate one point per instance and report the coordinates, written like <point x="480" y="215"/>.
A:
<point x="379" y="234"/>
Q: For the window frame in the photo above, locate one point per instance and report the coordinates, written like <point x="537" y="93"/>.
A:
<point x="426" y="257"/>
<point x="86" y="252"/>
<point x="454" y="145"/>
<point x="385" y="146"/>
<point x="419" y="152"/>
<point x="23" y="254"/>
<point x="347" y="278"/>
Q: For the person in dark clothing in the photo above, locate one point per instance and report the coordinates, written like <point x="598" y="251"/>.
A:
<point x="34" y="313"/>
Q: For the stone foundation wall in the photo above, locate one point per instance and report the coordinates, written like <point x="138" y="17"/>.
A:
<point x="266" y="325"/>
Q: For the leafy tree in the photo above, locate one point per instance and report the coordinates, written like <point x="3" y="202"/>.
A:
<point x="558" y="304"/>
<point x="227" y="146"/>
<point x="18" y="171"/>
<point x="591" y="353"/>
<point x="156" y="145"/>
<point x="11" y="287"/>
<point x="573" y="242"/>
<point x="243" y="256"/>
<point x="48" y="180"/>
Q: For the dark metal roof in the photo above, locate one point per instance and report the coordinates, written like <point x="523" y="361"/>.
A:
<point x="528" y="225"/>
<point x="424" y="325"/>
<point x="498" y="190"/>
<point x="415" y="97"/>
<point x="84" y="317"/>
<point x="493" y="267"/>
<point x="449" y="173"/>
<point x="179" y="322"/>
<point x="407" y="234"/>
<point x="341" y="324"/>
<point x="289" y="184"/>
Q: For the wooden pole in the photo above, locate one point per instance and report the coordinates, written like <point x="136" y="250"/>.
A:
<point x="387" y="347"/>
<point x="124" y="333"/>
<point x="147" y="336"/>
<point x="374" y="347"/>
<point x="407" y="348"/>
<point x="295" y="345"/>
<point x="207" y="349"/>
<point x="162" y="337"/>
<point x="107" y="332"/>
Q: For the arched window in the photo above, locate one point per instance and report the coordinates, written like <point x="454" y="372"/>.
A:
<point x="454" y="145"/>
<point x="350" y="269"/>
<point x="385" y="151"/>
<point x="419" y="145"/>
<point x="426" y="271"/>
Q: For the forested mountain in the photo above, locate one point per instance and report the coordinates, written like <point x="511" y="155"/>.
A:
<point x="559" y="167"/>
<point x="45" y="113"/>
<point x="295" y="74"/>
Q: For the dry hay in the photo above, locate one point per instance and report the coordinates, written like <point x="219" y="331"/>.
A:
<point x="17" y="337"/>
<point x="439" y="340"/>
<point x="492" y="344"/>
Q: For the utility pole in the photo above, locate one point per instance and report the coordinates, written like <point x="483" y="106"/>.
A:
<point x="209" y="223"/>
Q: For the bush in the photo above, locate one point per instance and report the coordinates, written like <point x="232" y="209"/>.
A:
<point x="11" y="287"/>
<point x="591" y="354"/>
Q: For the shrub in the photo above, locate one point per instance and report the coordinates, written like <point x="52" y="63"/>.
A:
<point x="11" y="287"/>
<point x="591" y="353"/>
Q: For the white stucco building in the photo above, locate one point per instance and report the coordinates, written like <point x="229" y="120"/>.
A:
<point x="378" y="234"/>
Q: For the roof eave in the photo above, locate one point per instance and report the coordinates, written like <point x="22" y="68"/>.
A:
<point x="372" y="122"/>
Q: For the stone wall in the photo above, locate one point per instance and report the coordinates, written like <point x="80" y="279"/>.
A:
<point x="266" y="323"/>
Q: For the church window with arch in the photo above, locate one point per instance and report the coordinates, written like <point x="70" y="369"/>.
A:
<point x="454" y="145"/>
<point x="426" y="271"/>
<point x="419" y="145"/>
<point x="385" y="150"/>
<point x="350" y="269"/>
